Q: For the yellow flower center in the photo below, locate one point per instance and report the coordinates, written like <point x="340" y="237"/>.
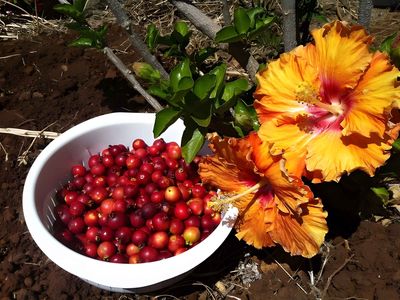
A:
<point x="307" y="94"/>
<point x="218" y="203"/>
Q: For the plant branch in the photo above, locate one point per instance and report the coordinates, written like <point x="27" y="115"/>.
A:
<point x="207" y="26"/>
<point x="364" y="12"/>
<point x="129" y="76"/>
<point x="289" y="24"/>
<point x="30" y="133"/>
<point x="329" y="281"/>
<point x="226" y="13"/>
<point x="136" y="41"/>
<point x="199" y="19"/>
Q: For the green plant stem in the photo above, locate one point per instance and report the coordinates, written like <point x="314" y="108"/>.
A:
<point x="136" y="41"/>
<point x="129" y="76"/>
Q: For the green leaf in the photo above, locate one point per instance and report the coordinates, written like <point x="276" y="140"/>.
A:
<point x="204" y="85"/>
<point x="219" y="73"/>
<point x="386" y="45"/>
<point x="192" y="142"/>
<point x="241" y="20"/>
<point x="261" y="25"/>
<point x="228" y="34"/>
<point x="182" y="28"/>
<point x="165" y="40"/>
<point x="382" y="193"/>
<point x="181" y="71"/>
<point x="157" y="91"/>
<point x="246" y="116"/>
<point x="79" y="5"/>
<point x="222" y="106"/>
<point x="239" y="130"/>
<point x="235" y="88"/>
<point x="200" y="111"/>
<point x="203" y="54"/>
<point x="84" y="42"/>
<point x="320" y="18"/>
<point x="186" y="83"/>
<point x="396" y="145"/>
<point x="253" y="13"/>
<point x="152" y="35"/>
<point x="70" y="11"/>
<point x="181" y="34"/>
<point x="164" y="119"/>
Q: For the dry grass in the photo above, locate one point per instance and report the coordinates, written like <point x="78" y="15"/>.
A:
<point x="16" y="22"/>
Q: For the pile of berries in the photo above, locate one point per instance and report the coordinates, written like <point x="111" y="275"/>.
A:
<point x="133" y="206"/>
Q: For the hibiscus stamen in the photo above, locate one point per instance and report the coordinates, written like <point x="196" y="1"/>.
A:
<point x="307" y="94"/>
<point x="218" y="202"/>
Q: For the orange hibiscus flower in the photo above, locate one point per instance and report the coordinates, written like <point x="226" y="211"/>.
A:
<point x="274" y="208"/>
<point x="326" y="106"/>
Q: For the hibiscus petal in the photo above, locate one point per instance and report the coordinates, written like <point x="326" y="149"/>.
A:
<point x="333" y="154"/>
<point x="302" y="234"/>
<point x="289" y="141"/>
<point x="372" y="98"/>
<point x="279" y="82"/>
<point x="252" y="227"/>
<point x="343" y="55"/>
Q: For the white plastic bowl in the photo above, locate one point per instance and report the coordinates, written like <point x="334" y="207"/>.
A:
<point x="48" y="173"/>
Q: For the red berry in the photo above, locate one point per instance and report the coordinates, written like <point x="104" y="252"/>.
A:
<point x="148" y="254"/>
<point x="172" y="194"/>
<point x="78" y="171"/>
<point x="105" y="250"/>
<point x="191" y="235"/>
<point x="182" y="210"/>
<point x="139" y="143"/>
<point x="158" y="240"/>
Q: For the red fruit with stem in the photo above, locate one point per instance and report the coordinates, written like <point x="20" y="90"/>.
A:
<point x="191" y="235"/>
<point x="78" y="171"/>
<point x="105" y="250"/>
<point x="175" y="242"/>
<point x="172" y="194"/>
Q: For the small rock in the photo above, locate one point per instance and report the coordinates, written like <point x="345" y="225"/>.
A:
<point x="64" y="68"/>
<point x="37" y="95"/>
<point x="28" y="282"/>
<point x="24" y="96"/>
<point x="29" y="70"/>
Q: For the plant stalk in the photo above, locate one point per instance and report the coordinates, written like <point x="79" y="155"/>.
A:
<point x="129" y="76"/>
<point x="136" y="41"/>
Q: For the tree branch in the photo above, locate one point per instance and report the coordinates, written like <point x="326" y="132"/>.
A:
<point x="206" y="25"/>
<point x="364" y="13"/>
<point x="129" y="76"/>
<point x="226" y="13"/>
<point x="289" y="24"/>
<point x="136" y="41"/>
<point x="199" y="19"/>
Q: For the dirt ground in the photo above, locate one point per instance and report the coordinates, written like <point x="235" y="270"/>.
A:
<point x="44" y="84"/>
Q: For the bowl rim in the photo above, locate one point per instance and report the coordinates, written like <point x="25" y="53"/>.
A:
<point x="112" y="274"/>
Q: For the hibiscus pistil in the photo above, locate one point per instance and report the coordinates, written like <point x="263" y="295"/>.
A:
<point x="217" y="202"/>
